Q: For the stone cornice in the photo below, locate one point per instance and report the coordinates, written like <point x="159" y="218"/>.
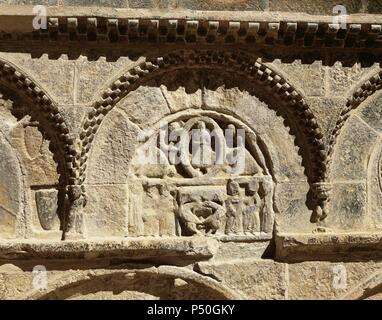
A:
<point x="133" y="248"/>
<point x="108" y="25"/>
<point x="328" y="247"/>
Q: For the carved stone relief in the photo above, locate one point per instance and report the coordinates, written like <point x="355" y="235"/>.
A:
<point x="204" y="192"/>
<point x="215" y="102"/>
<point x="312" y="147"/>
<point x="244" y="149"/>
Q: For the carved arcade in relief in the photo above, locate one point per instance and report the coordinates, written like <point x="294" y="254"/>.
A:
<point x="223" y="150"/>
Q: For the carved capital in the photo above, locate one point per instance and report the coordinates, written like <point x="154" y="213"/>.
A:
<point x="76" y="201"/>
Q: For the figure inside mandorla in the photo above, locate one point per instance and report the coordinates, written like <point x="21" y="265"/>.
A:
<point x="251" y="213"/>
<point x="234" y="207"/>
<point x="203" y="156"/>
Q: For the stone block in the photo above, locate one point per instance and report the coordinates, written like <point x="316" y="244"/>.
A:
<point x="353" y="148"/>
<point x="325" y="280"/>
<point x="256" y="279"/>
<point x="106" y="217"/>
<point x="348" y="207"/>
<point x="310" y="78"/>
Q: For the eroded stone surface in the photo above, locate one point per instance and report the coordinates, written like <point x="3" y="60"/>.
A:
<point x="288" y="208"/>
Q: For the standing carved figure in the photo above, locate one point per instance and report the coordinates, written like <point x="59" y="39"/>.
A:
<point x="169" y="142"/>
<point x="234" y="207"/>
<point x="267" y="213"/>
<point x="235" y="155"/>
<point x="202" y="153"/>
<point x="251" y="213"/>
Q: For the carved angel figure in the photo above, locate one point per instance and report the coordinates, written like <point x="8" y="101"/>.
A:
<point x="251" y="213"/>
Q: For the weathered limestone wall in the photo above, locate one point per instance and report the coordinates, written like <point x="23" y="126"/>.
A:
<point x="303" y="220"/>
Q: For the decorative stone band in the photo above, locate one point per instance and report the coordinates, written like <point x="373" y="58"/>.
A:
<point x="184" y="26"/>
<point x="282" y="32"/>
<point x="289" y="247"/>
<point x="123" y="275"/>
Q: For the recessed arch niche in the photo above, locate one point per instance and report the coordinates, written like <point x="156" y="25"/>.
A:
<point x="184" y="94"/>
<point x="33" y="177"/>
<point x="355" y="167"/>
